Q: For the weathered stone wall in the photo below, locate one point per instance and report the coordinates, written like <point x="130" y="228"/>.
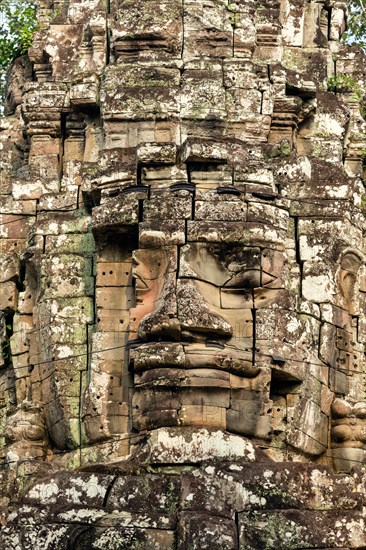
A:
<point x="236" y="501"/>
<point x="182" y="246"/>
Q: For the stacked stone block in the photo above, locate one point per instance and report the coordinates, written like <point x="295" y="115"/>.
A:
<point x="182" y="245"/>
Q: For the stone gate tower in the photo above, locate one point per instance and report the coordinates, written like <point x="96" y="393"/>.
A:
<point x="182" y="282"/>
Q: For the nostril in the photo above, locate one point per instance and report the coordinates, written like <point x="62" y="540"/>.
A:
<point x="159" y="325"/>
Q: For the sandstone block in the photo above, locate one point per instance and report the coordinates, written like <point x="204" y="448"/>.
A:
<point x="8" y="296"/>
<point x="220" y="533"/>
<point x="113" y="274"/>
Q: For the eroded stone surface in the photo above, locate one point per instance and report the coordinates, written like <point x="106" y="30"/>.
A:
<point x="182" y="278"/>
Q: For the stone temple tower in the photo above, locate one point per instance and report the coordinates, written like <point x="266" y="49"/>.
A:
<point x="182" y="279"/>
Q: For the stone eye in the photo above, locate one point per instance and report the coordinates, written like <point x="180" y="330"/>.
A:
<point x="249" y="278"/>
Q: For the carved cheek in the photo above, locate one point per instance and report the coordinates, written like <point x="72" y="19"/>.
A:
<point x="147" y="264"/>
<point x="146" y="299"/>
<point x="148" y="291"/>
<point x="151" y="269"/>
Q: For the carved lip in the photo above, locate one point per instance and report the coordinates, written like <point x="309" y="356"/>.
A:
<point x="177" y="355"/>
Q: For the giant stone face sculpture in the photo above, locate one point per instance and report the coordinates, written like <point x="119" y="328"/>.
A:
<point x="241" y="307"/>
<point x="183" y="280"/>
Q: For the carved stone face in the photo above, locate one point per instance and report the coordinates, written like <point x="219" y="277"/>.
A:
<point x="214" y="137"/>
<point x="348" y="433"/>
<point x="26" y="434"/>
<point x="193" y="330"/>
<point x="241" y="321"/>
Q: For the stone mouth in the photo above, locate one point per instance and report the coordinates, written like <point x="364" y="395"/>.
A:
<point x="184" y="356"/>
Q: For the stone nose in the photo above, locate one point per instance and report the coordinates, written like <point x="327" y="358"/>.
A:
<point x="196" y="315"/>
<point x="180" y="312"/>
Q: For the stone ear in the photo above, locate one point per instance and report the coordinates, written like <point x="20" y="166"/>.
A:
<point x="347" y="279"/>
